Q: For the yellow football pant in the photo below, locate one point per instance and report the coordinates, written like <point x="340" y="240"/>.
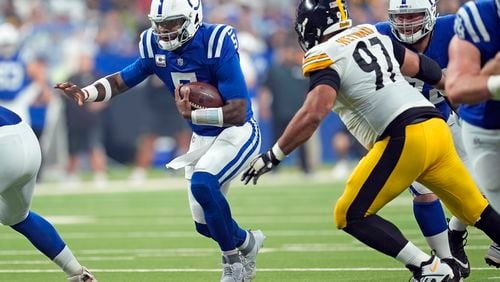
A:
<point x="425" y="152"/>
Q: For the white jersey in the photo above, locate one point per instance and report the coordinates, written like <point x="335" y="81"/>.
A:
<point x="373" y="92"/>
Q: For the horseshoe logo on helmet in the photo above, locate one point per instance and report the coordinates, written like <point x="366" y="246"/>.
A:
<point x="195" y="7"/>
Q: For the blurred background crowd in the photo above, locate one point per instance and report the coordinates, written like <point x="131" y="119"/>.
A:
<point x="82" y="40"/>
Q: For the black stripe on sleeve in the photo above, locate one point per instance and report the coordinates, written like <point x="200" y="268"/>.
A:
<point x="326" y="76"/>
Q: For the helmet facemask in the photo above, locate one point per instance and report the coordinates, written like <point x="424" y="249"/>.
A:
<point x="412" y="20"/>
<point x="171" y="32"/>
<point x="175" y="22"/>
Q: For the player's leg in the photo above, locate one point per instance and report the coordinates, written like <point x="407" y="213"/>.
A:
<point x="21" y="158"/>
<point x="457" y="230"/>
<point x="461" y="195"/>
<point x="227" y="156"/>
<point x="483" y="147"/>
<point x="390" y="166"/>
<point x="431" y="219"/>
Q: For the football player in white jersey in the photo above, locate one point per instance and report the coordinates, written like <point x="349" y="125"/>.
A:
<point x="474" y="81"/>
<point x="20" y="160"/>
<point x="416" y="24"/>
<point x="180" y="48"/>
<point x="358" y="73"/>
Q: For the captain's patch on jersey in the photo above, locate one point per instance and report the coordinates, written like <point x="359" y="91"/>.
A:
<point x="161" y="60"/>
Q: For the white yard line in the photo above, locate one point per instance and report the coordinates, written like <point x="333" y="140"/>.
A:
<point x="187" y="270"/>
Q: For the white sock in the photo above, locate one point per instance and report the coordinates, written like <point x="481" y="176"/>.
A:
<point x="412" y="255"/>
<point x="439" y="243"/>
<point x="67" y="262"/>
<point x="456" y="225"/>
<point x="245" y="243"/>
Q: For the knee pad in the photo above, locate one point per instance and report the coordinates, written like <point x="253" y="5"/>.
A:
<point x="202" y="229"/>
<point x="202" y="184"/>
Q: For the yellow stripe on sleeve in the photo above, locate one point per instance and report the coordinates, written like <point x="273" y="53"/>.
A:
<point x="316" y="65"/>
<point x="316" y="57"/>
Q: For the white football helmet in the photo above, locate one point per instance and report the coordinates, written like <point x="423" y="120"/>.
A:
<point x="412" y="19"/>
<point x="175" y="21"/>
<point x="9" y="39"/>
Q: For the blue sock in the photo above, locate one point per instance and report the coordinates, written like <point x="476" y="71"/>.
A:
<point x="430" y="217"/>
<point x="41" y="234"/>
<point x="221" y="226"/>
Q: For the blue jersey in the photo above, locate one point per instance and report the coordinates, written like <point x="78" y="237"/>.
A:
<point x="479" y="23"/>
<point x="436" y="50"/>
<point x="13" y="77"/>
<point x="8" y="117"/>
<point x="211" y="56"/>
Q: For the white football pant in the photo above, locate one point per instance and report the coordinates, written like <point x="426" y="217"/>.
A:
<point x="483" y="147"/>
<point x="20" y="159"/>
<point x="225" y="156"/>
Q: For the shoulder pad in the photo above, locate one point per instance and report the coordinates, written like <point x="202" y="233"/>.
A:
<point x="146" y="45"/>
<point x="314" y="60"/>
<point x="222" y="40"/>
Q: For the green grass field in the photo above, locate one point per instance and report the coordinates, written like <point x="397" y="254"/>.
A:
<point x="126" y="233"/>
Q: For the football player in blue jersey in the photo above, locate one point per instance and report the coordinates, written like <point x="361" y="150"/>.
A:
<point x="21" y="157"/>
<point x="474" y="81"/>
<point x="22" y="78"/>
<point x="416" y="24"/>
<point x="180" y="48"/>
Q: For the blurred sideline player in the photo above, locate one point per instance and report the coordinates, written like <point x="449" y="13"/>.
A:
<point x="22" y="78"/>
<point x="415" y="24"/>
<point x="180" y="48"/>
<point x="474" y="81"/>
<point x="21" y="158"/>
<point x="358" y="73"/>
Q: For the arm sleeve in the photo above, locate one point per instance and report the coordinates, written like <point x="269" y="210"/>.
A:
<point x="136" y="72"/>
<point x="231" y="82"/>
<point x="326" y="76"/>
<point x="399" y="51"/>
<point x="429" y="71"/>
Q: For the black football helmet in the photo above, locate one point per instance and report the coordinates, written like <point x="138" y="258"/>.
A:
<point x="316" y="18"/>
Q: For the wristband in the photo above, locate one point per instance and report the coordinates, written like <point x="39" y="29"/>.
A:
<point x="278" y="153"/>
<point x="91" y="93"/>
<point x="107" y="88"/>
<point x="493" y="85"/>
<point x="210" y="116"/>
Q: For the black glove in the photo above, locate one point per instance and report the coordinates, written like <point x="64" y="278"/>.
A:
<point x="260" y="165"/>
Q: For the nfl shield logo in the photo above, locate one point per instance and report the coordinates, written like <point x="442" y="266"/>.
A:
<point x="160" y="60"/>
<point x="180" y="62"/>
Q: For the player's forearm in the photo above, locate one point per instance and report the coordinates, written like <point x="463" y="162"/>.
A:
<point x="299" y="130"/>
<point x="467" y="89"/>
<point x="234" y="112"/>
<point x="105" y="88"/>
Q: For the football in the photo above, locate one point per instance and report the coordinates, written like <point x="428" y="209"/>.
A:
<point x="202" y="95"/>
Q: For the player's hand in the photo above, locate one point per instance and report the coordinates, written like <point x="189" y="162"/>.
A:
<point x="72" y="91"/>
<point x="183" y="104"/>
<point x="492" y="67"/>
<point x="260" y="165"/>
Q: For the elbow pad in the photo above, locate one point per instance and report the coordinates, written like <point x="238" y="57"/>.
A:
<point x="429" y="71"/>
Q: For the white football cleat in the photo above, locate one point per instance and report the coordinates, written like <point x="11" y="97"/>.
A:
<point x="85" y="276"/>
<point x="250" y="259"/>
<point x="232" y="272"/>
<point x="432" y="270"/>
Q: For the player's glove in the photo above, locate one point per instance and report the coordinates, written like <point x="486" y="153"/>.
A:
<point x="263" y="164"/>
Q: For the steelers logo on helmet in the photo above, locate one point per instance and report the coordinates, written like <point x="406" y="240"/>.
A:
<point x="175" y="22"/>
<point x="411" y="20"/>
<point x="316" y="18"/>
